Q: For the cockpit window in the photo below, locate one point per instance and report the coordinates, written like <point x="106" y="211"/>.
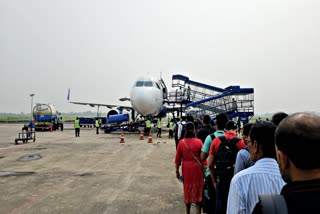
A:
<point x="139" y="83"/>
<point x="158" y="85"/>
<point x="148" y="84"/>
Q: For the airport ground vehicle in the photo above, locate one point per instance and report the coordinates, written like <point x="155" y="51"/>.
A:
<point x="27" y="133"/>
<point x="45" y="117"/>
<point x="120" y="122"/>
<point x="90" y="122"/>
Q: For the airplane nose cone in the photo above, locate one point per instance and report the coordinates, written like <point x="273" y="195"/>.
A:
<point x="143" y="102"/>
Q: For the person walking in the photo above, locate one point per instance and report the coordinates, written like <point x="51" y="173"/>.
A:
<point x="234" y="105"/>
<point x="171" y="129"/>
<point x="262" y="178"/>
<point x="188" y="153"/>
<point x="206" y="128"/>
<point x="210" y="196"/>
<point x="222" y="173"/>
<point x="77" y="127"/>
<point x="243" y="160"/>
<point x="297" y="140"/>
<point x="188" y="93"/>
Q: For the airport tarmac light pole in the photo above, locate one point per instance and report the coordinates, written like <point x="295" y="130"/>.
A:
<point x="31" y="95"/>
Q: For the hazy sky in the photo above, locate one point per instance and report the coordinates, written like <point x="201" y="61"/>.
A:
<point x="98" y="49"/>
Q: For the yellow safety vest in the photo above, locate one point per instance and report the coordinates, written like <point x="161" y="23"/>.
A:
<point x="159" y="124"/>
<point x="148" y="124"/>
<point x="170" y="125"/>
<point x="76" y="123"/>
<point x="97" y="123"/>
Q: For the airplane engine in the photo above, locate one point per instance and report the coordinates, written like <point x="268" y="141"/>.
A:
<point x="112" y="112"/>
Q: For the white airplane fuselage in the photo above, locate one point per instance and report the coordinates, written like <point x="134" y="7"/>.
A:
<point x="146" y="96"/>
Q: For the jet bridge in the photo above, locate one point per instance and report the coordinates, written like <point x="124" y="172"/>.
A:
<point x="200" y="99"/>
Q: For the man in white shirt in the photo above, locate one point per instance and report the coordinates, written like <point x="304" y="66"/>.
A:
<point x="262" y="178"/>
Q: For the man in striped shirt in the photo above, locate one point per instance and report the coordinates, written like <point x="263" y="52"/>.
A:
<point x="262" y="178"/>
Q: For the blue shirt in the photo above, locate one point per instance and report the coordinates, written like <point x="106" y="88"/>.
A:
<point x="262" y="178"/>
<point x="242" y="161"/>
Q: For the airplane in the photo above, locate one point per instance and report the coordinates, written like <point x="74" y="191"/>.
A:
<point x="147" y="97"/>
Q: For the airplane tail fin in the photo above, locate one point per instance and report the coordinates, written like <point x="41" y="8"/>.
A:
<point x="68" y="96"/>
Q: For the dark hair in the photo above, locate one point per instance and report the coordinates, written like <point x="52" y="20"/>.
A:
<point x="246" y="129"/>
<point x="190" y="118"/>
<point x="190" y="132"/>
<point x="231" y="125"/>
<point x="221" y="121"/>
<point x="263" y="133"/>
<point x="206" y="119"/>
<point x="298" y="136"/>
<point x="278" y="117"/>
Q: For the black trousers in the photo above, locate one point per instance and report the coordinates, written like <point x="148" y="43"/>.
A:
<point x="159" y="132"/>
<point x="170" y="134"/>
<point x="77" y="130"/>
<point x="209" y="197"/>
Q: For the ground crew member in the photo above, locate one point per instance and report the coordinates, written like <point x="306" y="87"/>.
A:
<point x="77" y="127"/>
<point x="159" y="128"/>
<point x="97" y="125"/>
<point x="61" y="123"/>
<point x="148" y="127"/>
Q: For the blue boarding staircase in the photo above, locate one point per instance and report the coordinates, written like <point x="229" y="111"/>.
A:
<point x="203" y="99"/>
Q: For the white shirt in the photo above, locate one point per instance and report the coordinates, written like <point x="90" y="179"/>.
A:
<point x="262" y="178"/>
<point x="180" y="126"/>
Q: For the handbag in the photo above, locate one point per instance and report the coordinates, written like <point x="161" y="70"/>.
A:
<point x="203" y="169"/>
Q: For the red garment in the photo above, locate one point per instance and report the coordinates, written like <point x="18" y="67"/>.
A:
<point x="191" y="169"/>
<point x="216" y="143"/>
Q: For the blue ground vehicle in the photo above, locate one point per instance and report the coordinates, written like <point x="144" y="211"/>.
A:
<point x="120" y="122"/>
<point x="90" y="122"/>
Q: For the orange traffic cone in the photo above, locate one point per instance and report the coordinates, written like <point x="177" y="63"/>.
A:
<point x="121" y="139"/>
<point x="150" y="139"/>
<point x="141" y="136"/>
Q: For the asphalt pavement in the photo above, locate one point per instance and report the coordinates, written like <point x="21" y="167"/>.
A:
<point x="60" y="173"/>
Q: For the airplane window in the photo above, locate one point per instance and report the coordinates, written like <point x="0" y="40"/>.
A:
<point x="139" y="84"/>
<point x="148" y="84"/>
<point x="158" y="85"/>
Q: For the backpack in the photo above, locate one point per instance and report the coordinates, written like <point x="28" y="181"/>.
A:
<point x="273" y="204"/>
<point x="225" y="159"/>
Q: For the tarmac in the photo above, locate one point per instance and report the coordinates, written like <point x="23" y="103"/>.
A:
<point x="93" y="173"/>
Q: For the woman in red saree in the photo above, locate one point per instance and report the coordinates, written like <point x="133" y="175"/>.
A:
<point x="189" y="149"/>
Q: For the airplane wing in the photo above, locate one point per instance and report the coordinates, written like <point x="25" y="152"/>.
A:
<point x="101" y="104"/>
